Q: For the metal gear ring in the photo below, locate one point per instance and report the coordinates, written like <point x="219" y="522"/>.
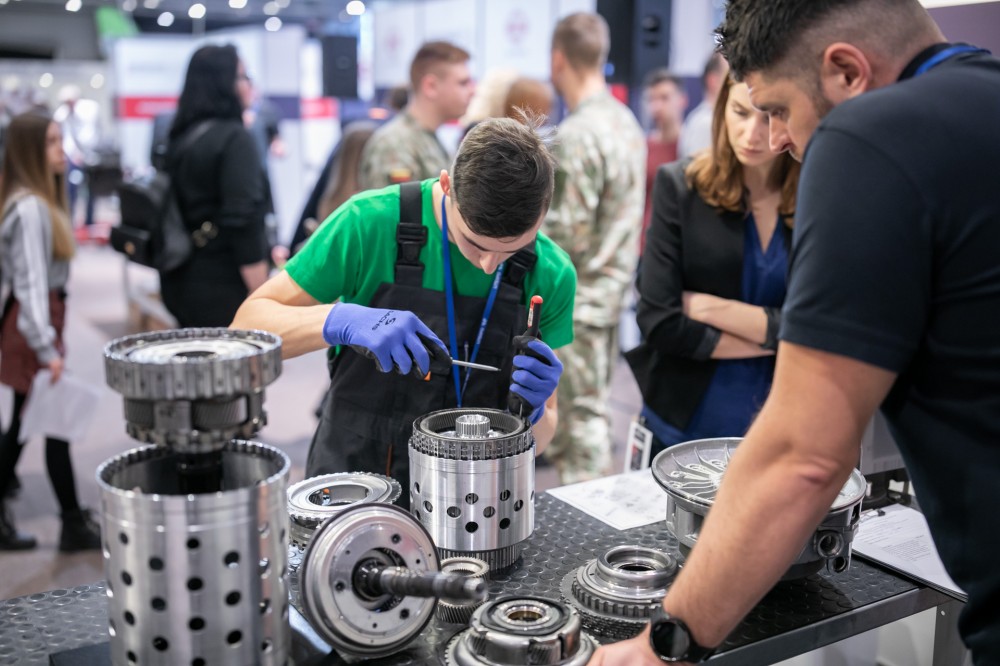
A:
<point x="318" y="498"/>
<point x="522" y="630"/>
<point x="460" y="612"/>
<point x="616" y="592"/>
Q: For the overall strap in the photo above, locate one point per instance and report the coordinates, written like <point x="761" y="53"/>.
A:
<point x="411" y="236"/>
<point x="518" y="268"/>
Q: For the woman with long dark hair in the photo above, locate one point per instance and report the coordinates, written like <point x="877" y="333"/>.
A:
<point x="220" y="187"/>
<point x="712" y="279"/>
<point x="36" y="246"/>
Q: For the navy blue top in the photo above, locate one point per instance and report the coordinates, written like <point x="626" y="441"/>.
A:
<point x="739" y="386"/>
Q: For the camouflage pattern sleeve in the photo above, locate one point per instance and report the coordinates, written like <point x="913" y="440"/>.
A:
<point x="398" y="152"/>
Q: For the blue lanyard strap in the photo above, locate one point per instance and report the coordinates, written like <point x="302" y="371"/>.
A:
<point x="449" y="297"/>
<point x="941" y="56"/>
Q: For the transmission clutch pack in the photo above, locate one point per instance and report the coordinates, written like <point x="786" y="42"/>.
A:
<point x="316" y="499"/>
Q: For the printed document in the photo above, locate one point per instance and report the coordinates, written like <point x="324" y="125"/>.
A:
<point x="623" y="501"/>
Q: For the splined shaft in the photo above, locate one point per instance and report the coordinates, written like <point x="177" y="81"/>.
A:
<point x="375" y="580"/>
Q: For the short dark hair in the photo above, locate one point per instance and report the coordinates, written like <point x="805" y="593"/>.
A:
<point x="584" y="39"/>
<point x="760" y="35"/>
<point x="209" y="88"/>
<point x="430" y="57"/>
<point x="662" y="75"/>
<point x="503" y="177"/>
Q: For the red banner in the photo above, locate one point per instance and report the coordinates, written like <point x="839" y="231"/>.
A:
<point x="318" y="107"/>
<point x="133" y="108"/>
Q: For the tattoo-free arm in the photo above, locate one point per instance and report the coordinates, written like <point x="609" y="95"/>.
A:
<point x="284" y="308"/>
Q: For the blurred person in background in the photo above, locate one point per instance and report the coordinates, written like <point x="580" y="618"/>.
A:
<point x="81" y="130"/>
<point x="665" y="101"/>
<point x="712" y="280"/>
<point x="36" y="246"/>
<point x="595" y="216"/>
<point x="533" y="97"/>
<point x="220" y="189"/>
<point x="696" y="133"/>
<point x="407" y="148"/>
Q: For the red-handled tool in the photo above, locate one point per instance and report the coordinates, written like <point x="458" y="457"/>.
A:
<point x="517" y="405"/>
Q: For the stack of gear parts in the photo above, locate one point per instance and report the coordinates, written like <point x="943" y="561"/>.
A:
<point x="522" y="630"/>
<point x="473" y="478"/>
<point x="690" y="474"/>
<point x="370" y="579"/>
<point x="195" y="526"/>
<point x="319" y="498"/>
<point x="456" y="611"/>
<point x="617" y="592"/>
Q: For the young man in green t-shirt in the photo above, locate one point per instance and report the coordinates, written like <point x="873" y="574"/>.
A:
<point x="470" y="238"/>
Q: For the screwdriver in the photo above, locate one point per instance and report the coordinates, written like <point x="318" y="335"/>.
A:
<point x="517" y="405"/>
<point x="474" y="366"/>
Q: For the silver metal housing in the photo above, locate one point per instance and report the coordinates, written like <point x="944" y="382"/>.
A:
<point x="314" y="500"/>
<point x="522" y="630"/>
<point x="472" y="475"/>
<point x="196" y="578"/>
<point x="617" y="592"/>
<point x="690" y="474"/>
<point x="193" y="389"/>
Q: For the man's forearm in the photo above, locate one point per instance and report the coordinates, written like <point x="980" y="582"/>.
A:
<point x="300" y="327"/>
<point x="545" y="429"/>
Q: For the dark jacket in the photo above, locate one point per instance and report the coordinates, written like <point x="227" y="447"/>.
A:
<point x="690" y="246"/>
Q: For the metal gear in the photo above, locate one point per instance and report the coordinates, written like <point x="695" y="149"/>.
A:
<point x="313" y="500"/>
<point x="616" y="592"/>
<point x="522" y="630"/>
<point x="460" y="612"/>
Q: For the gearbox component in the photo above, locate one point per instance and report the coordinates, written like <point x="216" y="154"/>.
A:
<point x="370" y="580"/>
<point x="522" y="630"/>
<point x="193" y="389"/>
<point x="616" y="592"/>
<point x="690" y="473"/>
<point x="318" y="498"/>
<point x="473" y="477"/>
<point x="460" y="612"/>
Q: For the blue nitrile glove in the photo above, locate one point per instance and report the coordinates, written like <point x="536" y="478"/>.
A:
<point x="395" y="339"/>
<point x="535" y="379"/>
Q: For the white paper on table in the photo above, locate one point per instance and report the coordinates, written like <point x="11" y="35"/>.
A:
<point x="63" y="410"/>
<point x="898" y="537"/>
<point x="622" y="501"/>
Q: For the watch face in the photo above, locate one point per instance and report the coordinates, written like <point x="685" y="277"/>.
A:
<point x="669" y="640"/>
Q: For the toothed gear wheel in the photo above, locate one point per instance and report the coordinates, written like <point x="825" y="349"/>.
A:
<point x="616" y="593"/>
<point x="313" y="500"/>
<point x="456" y="612"/>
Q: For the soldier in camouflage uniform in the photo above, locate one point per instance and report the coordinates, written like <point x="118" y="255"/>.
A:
<point x="407" y="148"/>
<point x="596" y="216"/>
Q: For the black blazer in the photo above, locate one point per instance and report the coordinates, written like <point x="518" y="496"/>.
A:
<point x="690" y="246"/>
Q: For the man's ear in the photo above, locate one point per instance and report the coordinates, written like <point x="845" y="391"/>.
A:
<point x="445" y="182"/>
<point x="845" y="72"/>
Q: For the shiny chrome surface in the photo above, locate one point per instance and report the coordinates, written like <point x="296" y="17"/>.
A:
<point x="690" y="474"/>
<point x="196" y="577"/>
<point x="460" y="612"/>
<point x="522" y="630"/>
<point x="473" y="475"/>
<point x="318" y="498"/>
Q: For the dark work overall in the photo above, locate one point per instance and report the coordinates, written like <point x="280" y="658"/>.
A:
<point x="367" y="416"/>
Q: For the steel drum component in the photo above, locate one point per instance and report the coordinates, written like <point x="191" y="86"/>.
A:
<point x="473" y="477"/>
<point x="522" y="630"/>
<point x="690" y="474"/>
<point x="615" y="594"/>
<point x="196" y="578"/>
<point x="316" y="499"/>
<point x="460" y="612"/>
<point x="369" y="580"/>
<point x="193" y="389"/>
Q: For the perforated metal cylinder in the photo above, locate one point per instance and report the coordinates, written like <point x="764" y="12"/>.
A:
<point x="196" y="578"/>
<point x="472" y="476"/>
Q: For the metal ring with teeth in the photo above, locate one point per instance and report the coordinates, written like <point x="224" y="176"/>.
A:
<point x="455" y="612"/>
<point x="314" y="500"/>
<point x="616" y="592"/>
<point x="522" y="630"/>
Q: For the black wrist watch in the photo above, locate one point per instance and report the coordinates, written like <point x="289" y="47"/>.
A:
<point x="671" y="640"/>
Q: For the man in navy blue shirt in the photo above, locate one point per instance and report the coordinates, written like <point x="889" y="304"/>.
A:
<point x="893" y="303"/>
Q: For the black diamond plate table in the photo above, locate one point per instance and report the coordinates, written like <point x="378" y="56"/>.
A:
<point x="795" y="617"/>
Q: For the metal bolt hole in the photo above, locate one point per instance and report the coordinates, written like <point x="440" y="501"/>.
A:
<point x="129" y="618"/>
<point x="232" y="598"/>
<point x="471" y="527"/>
<point x="160" y="643"/>
<point x="195" y="584"/>
<point x="123" y="538"/>
<point x="428" y="507"/>
<point x="489" y="512"/>
<point x="265" y="606"/>
<point x="505" y="495"/>
<point x="196" y="624"/>
<point x="159" y="604"/>
<point x="156" y="564"/>
<point x="193" y="544"/>
<point x="234" y="637"/>
<point x="454" y="511"/>
<point x="504" y="523"/>
<point x="518" y="504"/>
<point x="471" y="498"/>
<point x="231" y="559"/>
<point x="126" y="578"/>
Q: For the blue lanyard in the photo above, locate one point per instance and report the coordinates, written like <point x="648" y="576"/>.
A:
<point x="941" y="56"/>
<point x="449" y="297"/>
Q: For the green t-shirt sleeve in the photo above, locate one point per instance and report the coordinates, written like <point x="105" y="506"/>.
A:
<point x="556" y="284"/>
<point x="329" y="266"/>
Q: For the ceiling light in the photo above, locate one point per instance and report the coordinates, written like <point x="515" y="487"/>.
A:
<point x="73" y="5"/>
<point x="197" y="11"/>
<point x="150" y="4"/>
<point x="272" y="24"/>
<point x="355" y="8"/>
<point x="128" y="5"/>
<point x="165" y="20"/>
<point x="45" y="80"/>
<point x="97" y="81"/>
<point x="3" y="2"/>
<point x="271" y="8"/>
<point x="237" y="4"/>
